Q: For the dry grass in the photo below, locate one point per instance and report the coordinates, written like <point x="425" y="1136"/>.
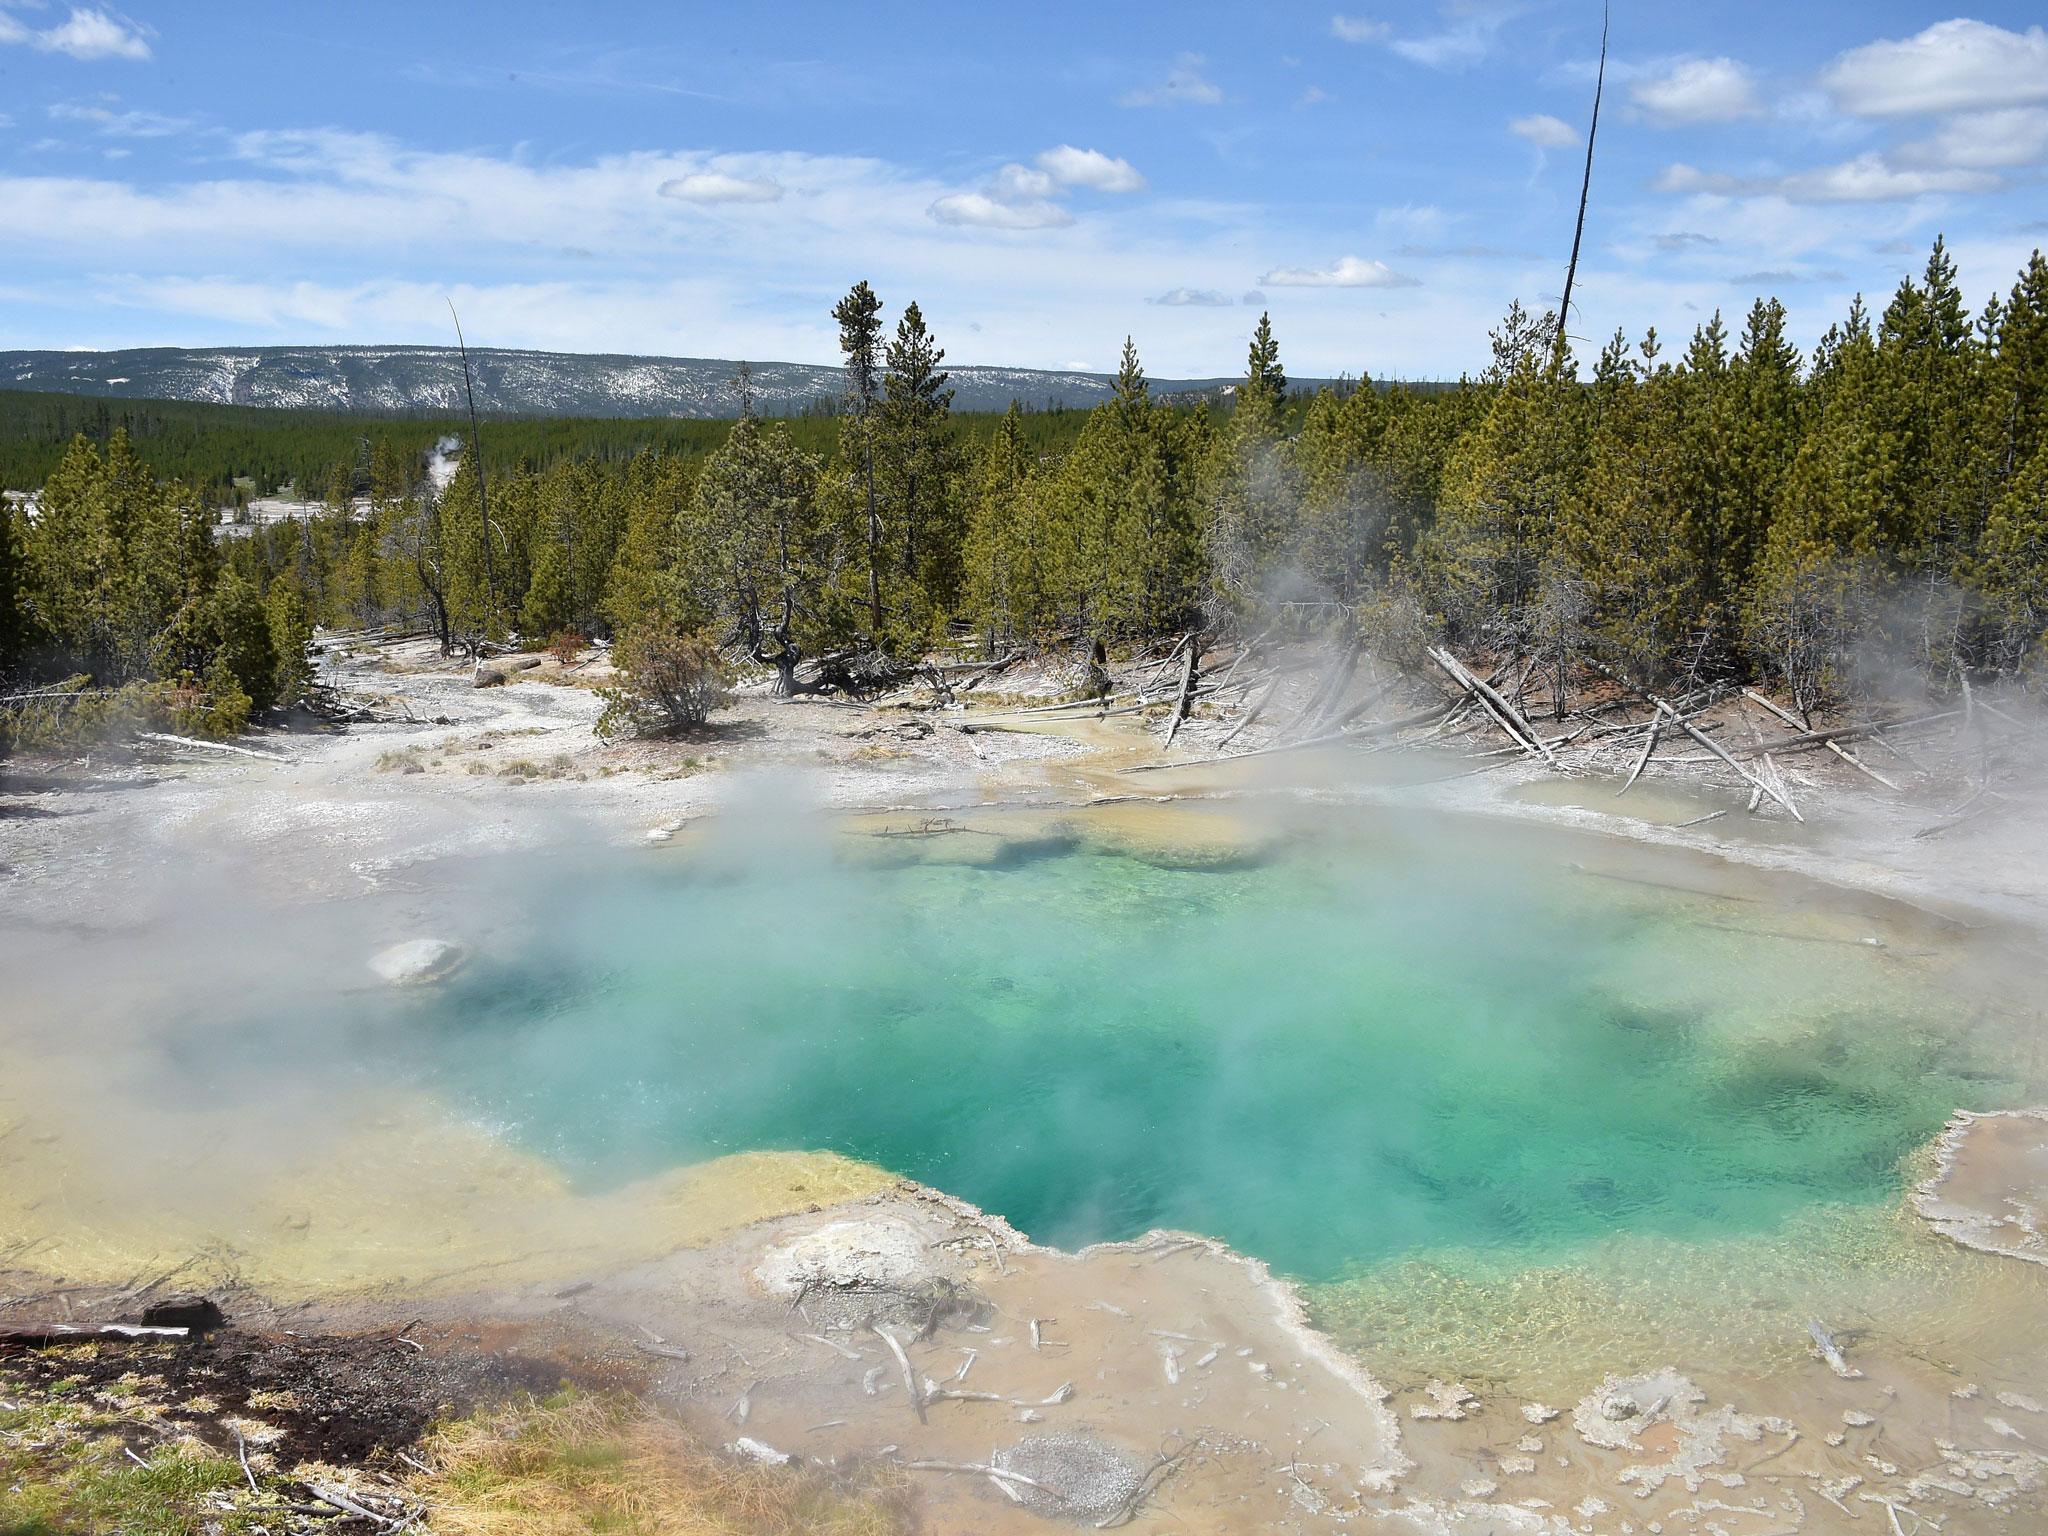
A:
<point x="576" y="1464"/>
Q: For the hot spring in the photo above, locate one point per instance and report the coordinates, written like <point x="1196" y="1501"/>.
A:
<point x="1493" y="1107"/>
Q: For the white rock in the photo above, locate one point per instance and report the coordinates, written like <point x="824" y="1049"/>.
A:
<point x="416" y="961"/>
<point x="883" y="1253"/>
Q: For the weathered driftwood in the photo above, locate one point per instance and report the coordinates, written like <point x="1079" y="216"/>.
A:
<point x="1184" y="696"/>
<point x="1371" y="701"/>
<point x="993" y="669"/>
<point x="1810" y="740"/>
<point x="211" y="746"/>
<point x="977" y="1469"/>
<point x="1354" y="733"/>
<point x="1510" y="719"/>
<point x="1332" y="684"/>
<point x="666" y="1351"/>
<point x="1760" y="787"/>
<point x="1830" y="1351"/>
<point x="38" y="1336"/>
<point x="909" y="1376"/>
<point x="1649" y="746"/>
<point x="1831" y="744"/>
<point x="1251" y="714"/>
<point x="1678" y="717"/>
<point x="341" y="1501"/>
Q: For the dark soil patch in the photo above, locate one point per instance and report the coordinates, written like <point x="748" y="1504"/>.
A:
<point x="339" y="1398"/>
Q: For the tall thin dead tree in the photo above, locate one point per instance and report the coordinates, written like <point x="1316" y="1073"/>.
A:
<point x="1571" y="271"/>
<point x="476" y="457"/>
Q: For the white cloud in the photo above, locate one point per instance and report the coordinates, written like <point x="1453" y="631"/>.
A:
<point x="1953" y="66"/>
<point x="1072" y="167"/>
<point x="1346" y="272"/>
<point x="1020" y="183"/>
<point x="1193" y="298"/>
<point x="1545" y="131"/>
<point x="1866" y="179"/>
<point x="1699" y="91"/>
<point x="1471" y="28"/>
<point x="986" y="212"/>
<point x="89" y="33"/>
<point x="1412" y="221"/>
<point x="720" y="187"/>
<point x="1184" y="85"/>
<point x="2013" y="136"/>
<point x="127" y="125"/>
<point x="1359" y="29"/>
<point x="349" y="237"/>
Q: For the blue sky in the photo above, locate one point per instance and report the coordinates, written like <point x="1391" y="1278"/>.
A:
<point x="705" y="180"/>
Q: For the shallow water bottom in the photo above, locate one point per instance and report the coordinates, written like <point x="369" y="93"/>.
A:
<point x="1510" y="1105"/>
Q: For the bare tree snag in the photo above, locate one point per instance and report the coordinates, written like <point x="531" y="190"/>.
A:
<point x="1184" y="698"/>
<point x="1571" y="271"/>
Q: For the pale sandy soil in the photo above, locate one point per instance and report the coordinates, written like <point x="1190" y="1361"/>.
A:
<point x="1183" y="1359"/>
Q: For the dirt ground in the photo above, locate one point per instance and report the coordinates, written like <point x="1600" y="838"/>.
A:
<point x="1167" y="1384"/>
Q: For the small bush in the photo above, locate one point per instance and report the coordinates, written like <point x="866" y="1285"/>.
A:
<point x="668" y="681"/>
<point x="567" y="645"/>
<point x="72" y="715"/>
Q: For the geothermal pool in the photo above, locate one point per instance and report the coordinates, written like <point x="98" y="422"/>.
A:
<point x="1412" y="1069"/>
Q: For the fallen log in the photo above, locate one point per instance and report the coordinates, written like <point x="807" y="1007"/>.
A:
<point x="1649" y="746"/>
<point x="1811" y="739"/>
<point x="1251" y="714"/>
<point x="903" y="1364"/>
<point x="1354" y="733"/>
<point x="994" y="669"/>
<point x="43" y="1335"/>
<point x="1832" y="745"/>
<point x="1510" y="720"/>
<point x="211" y="746"/>
<point x="1755" y="783"/>
<point x="1677" y="718"/>
<point x="1187" y="684"/>
<point x="1333" y="682"/>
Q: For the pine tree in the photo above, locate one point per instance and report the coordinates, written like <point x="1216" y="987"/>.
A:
<point x="1003" y="594"/>
<point x="12" y="626"/>
<point x="290" y="624"/>
<point x="860" y="341"/>
<point x="919" y="461"/>
<point x="241" y="629"/>
<point x="768" y="576"/>
<point x="72" y="569"/>
<point x="1343" y="545"/>
<point x="1250" y="490"/>
<point x="1626" y="569"/>
<point x="649" y="549"/>
<point x="1263" y="372"/>
<point x="2010" y="571"/>
<point x="1122" y="534"/>
<point x="1504" y="485"/>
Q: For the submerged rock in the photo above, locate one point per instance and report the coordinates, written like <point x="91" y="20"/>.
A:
<point x="416" y="961"/>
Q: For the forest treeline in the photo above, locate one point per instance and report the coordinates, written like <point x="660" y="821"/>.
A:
<point x="236" y="453"/>
<point x="1727" y="508"/>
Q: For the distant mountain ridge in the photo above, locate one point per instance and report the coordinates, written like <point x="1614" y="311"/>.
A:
<point x="403" y="380"/>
